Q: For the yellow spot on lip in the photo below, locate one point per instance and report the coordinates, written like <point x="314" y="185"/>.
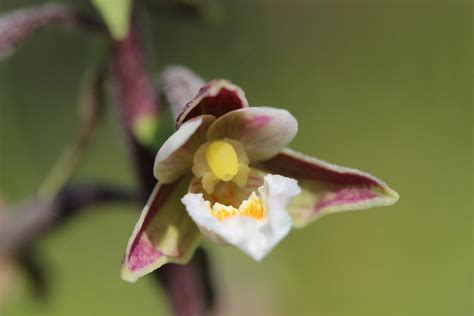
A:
<point x="222" y="159"/>
<point x="252" y="207"/>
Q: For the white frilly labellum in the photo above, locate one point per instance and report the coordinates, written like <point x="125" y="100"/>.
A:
<point x="254" y="237"/>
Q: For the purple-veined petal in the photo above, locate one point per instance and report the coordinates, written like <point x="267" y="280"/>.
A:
<point x="328" y="188"/>
<point x="255" y="237"/>
<point x="164" y="233"/>
<point x="216" y="98"/>
<point x="263" y="131"/>
<point x="175" y="157"/>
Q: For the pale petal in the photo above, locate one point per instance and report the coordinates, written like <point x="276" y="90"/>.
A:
<point x="216" y="98"/>
<point x="164" y="233"/>
<point x="263" y="131"/>
<point x="175" y="157"/>
<point x="328" y="188"/>
<point x="255" y="237"/>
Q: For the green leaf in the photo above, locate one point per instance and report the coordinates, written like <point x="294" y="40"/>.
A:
<point x="116" y="14"/>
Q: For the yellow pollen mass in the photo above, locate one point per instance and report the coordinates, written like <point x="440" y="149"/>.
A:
<point x="222" y="159"/>
<point x="253" y="209"/>
<point x="250" y="208"/>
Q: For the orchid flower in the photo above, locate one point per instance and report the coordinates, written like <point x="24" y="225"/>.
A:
<point x="226" y="174"/>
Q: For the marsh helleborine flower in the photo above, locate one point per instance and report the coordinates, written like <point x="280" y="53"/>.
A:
<point x="226" y="173"/>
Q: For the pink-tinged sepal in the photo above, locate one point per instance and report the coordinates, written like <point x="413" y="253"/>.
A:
<point x="216" y="98"/>
<point x="164" y="233"/>
<point x="328" y="188"/>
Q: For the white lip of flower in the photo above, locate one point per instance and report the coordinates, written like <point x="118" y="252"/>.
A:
<point x="232" y="203"/>
<point x="254" y="224"/>
<point x="259" y="223"/>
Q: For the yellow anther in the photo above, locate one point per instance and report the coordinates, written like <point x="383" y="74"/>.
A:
<point x="222" y="159"/>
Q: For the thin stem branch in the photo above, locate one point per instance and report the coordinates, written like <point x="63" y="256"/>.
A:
<point x="70" y="160"/>
<point x="17" y="25"/>
<point x="34" y="217"/>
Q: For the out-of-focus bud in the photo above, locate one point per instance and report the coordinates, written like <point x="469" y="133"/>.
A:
<point x="7" y="271"/>
<point x="179" y="85"/>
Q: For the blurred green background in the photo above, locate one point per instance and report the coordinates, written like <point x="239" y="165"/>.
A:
<point x="385" y="87"/>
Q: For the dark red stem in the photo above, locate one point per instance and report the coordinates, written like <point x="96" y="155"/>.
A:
<point x="136" y="98"/>
<point x="185" y="285"/>
<point x="34" y="217"/>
